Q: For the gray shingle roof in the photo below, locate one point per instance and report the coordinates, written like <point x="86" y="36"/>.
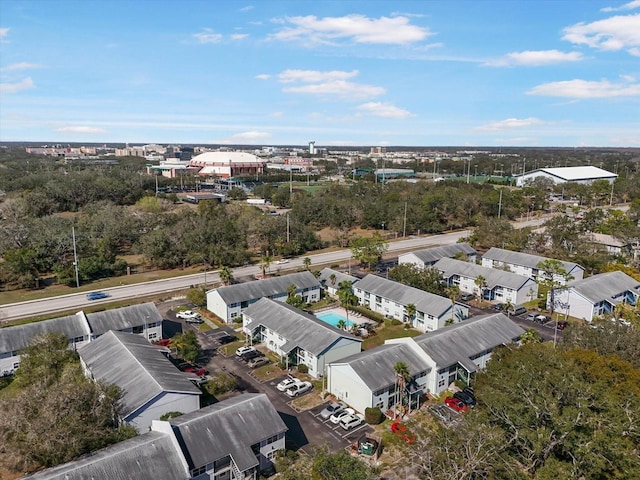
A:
<point x="150" y="456"/>
<point x="605" y="286"/>
<point x="492" y="276"/>
<point x="523" y="259"/>
<point x="325" y="279"/>
<point x="266" y="288"/>
<point x="235" y="424"/>
<point x="297" y="327"/>
<point x="137" y="367"/>
<point x="375" y="367"/>
<point x="459" y="342"/>
<point x="431" y="255"/>
<point x="17" y="337"/>
<point x="123" y="318"/>
<point x="403" y="294"/>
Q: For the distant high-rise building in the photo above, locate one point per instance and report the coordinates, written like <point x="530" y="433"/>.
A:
<point x="312" y="148"/>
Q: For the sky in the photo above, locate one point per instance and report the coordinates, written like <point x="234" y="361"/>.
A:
<point x="563" y="73"/>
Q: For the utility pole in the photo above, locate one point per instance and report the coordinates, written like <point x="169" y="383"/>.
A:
<point x="611" y="197"/>
<point x="404" y="223"/>
<point x="287" y="228"/>
<point x="290" y="180"/>
<point x="469" y="171"/>
<point x="156" y="175"/>
<point x="75" y="255"/>
<point x="500" y="204"/>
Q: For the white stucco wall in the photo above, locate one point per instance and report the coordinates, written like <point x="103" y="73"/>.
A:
<point x="216" y="305"/>
<point x="347" y="386"/>
<point x="342" y="349"/>
<point x="579" y="306"/>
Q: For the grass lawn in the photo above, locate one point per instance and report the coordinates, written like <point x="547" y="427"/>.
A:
<point x="385" y="332"/>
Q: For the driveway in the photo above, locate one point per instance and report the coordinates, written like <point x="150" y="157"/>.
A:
<point x="306" y="429"/>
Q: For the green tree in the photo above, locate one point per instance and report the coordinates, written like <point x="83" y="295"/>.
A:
<point x="403" y="376"/>
<point x="265" y="263"/>
<point x="45" y="360"/>
<point x="187" y="346"/>
<point x="453" y="292"/>
<point x="346" y="296"/>
<point x="197" y="296"/>
<point x="427" y="279"/>
<point x="481" y="283"/>
<point x="342" y="324"/>
<point x="369" y="250"/>
<point x="226" y="275"/>
<point x="306" y="262"/>
<point x="410" y="311"/>
<point x="340" y="466"/>
<point x="292" y="298"/>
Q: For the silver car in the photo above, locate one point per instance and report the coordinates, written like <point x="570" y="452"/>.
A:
<point x="332" y="409"/>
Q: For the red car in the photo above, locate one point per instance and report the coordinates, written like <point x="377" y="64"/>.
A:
<point x="201" y="372"/>
<point x="456" y="404"/>
<point x="165" y="342"/>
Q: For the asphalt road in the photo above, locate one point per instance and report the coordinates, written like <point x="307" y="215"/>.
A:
<point x="77" y="301"/>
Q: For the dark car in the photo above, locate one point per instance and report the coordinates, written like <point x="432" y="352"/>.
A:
<point x="499" y="306"/>
<point x="246" y="356"/>
<point x="96" y="295"/>
<point x="465" y="297"/>
<point x="466" y="398"/>
<point x="562" y="325"/>
<point x="226" y="338"/>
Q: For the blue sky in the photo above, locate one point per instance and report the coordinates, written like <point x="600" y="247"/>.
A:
<point x="414" y="73"/>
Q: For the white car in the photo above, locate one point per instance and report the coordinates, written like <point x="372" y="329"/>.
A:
<point x="336" y="417"/>
<point x="282" y="261"/>
<point x="332" y="409"/>
<point x="298" y="389"/>
<point x="186" y="314"/>
<point x="287" y="382"/>
<point x="351" y="421"/>
<point x="242" y="350"/>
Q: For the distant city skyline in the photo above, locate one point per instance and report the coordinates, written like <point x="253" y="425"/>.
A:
<point x="350" y="73"/>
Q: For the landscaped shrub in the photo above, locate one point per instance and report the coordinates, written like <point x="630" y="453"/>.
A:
<point x="395" y="322"/>
<point x="373" y="415"/>
<point x="219" y="384"/>
<point x="302" y="368"/>
<point x="170" y="415"/>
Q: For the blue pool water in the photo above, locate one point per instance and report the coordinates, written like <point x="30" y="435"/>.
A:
<point x="333" y="318"/>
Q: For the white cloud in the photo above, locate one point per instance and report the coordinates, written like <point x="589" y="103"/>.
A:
<point x="627" y="6"/>
<point x="263" y="76"/>
<point x="247" y="8"/>
<point x="358" y="28"/>
<point x="581" y="89"/>
<point x="309" y="76"/>
<point x="21" y="66"/>
<point x="81" y="129"/>
<point x="534" y="58"/>
<point x="347" y="90"/>
<point x="4" y="32"/>
<point x="208" y="36"/>
<point x="277" y="115"/>
<point x="386" y="110"/>
<point x="245" y="138"/>
<point x="621" y="32"/>
<point x="239" y="36"/>
<point x="510" y="123"/>
<point x="16" y="87"/>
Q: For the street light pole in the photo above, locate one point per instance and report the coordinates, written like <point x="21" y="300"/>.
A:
<point x="75" y="255"/>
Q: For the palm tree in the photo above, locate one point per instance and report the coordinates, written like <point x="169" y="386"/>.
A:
<point x="452" y="292"/>
<point x="226" y="275"/>
<point x="265" y="263"/>
<point x="410" y="310"/>
<point x="342" y="324"/>
<point x="332" y="279"/>
<point x="346" y="296"/>
<point x="306" y="262"/>
<point x="481" y="283"/>
<point x="402" y="377"/>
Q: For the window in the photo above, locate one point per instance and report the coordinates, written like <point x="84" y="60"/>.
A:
<point x="153" y="336"/>
<point x="137" y="329"/>
<point x="16" y="365"/>
<point x="441" y="382"/>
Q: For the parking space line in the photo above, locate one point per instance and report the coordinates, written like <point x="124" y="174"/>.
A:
<point x="354" y="430"/>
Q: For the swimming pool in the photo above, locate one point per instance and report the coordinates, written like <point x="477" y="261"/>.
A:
<point x="333" y="318"/>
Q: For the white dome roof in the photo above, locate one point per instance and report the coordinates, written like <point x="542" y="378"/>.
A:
<point x="226" y="157"/>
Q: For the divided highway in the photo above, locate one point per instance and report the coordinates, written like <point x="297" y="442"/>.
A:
<point x="77" y="301"/>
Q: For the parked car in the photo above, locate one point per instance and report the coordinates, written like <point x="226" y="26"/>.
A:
<point x="165" y="342"/>
<point x="186" y="314"/>
<point x="96" y="295"/>
<point x="351" y="421"/>
<point x="336" y="417"/>
<point x="244" y="349"/>
<point x="518" y="310"/>
<point x="456" y="404"/>
<point x="298" y="389"/>
<point x="246" y="356"/>
<point x="561" y="325"/>
<point x="226" y="338"/>
<point x="499" y="306"/>
<point x="199" y="371"/>
<point x="332" y="409"/>
<point x="289" y="381"/>
<point x="542" y="319"/>
<point x="531" y="317"/>
<point x="197" y="319"/>
<point x="282" y="261"/>
<point x="441" y="411"/>
<point x="465" y="297"/>
<point x="258" y="362"/>
<point x="466" y="398"/>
